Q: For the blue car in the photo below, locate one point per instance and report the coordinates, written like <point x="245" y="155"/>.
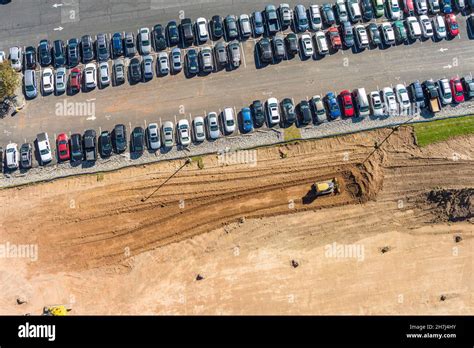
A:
<point x="247" y="124"/>
<point x="446" y="6"/>
<point x="333" y="106"/>
<point x="117" y="45"/>
<point x="258" y="28"/>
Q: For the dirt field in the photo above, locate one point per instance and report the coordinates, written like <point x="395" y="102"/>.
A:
<point x="251" y="239"/>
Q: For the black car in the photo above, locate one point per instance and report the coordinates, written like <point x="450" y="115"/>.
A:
<point x="105" y="144"/>
<point x="173" y="33"/>
<point x="89" y="145"/>
<point x="138" y="140"/>
<point x="76" y="147"/>
<point x="217" y="27"/>
<point x="291" y="41"/>
<point x="304" y="114"/>
<point x="187" y="31"/>
<point x="30" y="58"/>
<point x="119" y="138"/>
<point x="159" y="41"/>
<point x="73" y="57"/>
<point x="26" y="156"/>
<point x="59" y="58"/>
<point x="87" y="49"/>
<point x="192" y="64"/>
<point x="135" y="70"/>
<point x="367" y="9"/>
<point x="265" y="52"/>
<point x="44" y="53"/>
<point x="415" y="92"/>
<point x="288" y="111"/>
<point x="257" y="113"/>
<point x="231" y="27"/>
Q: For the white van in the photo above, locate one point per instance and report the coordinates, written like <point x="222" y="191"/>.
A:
<point x="228" y="120"/>
<point x="321" y="42"/>
<point x="361" y="101"/>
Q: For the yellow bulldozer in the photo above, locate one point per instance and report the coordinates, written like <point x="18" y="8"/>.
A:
<point x="326" y="187"/>
<point x="56" y="310"/>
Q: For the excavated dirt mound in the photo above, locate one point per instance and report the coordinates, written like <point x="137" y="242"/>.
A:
<point x="452" y="205"/>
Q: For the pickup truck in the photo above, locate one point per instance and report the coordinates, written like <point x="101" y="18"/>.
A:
<point x="44" y="148"/>
<point x="271" y="15"/>
<point x="90" y="145"/>
<point x="432" y="95"/>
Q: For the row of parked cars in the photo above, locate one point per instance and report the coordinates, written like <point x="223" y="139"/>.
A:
<point x="319" y="109"/>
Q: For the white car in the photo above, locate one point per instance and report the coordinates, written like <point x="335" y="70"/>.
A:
<point x="104" y="76"/>
<point x="144" y="40"/>
<point x="163" y="63"/>
<point x="341" y="11"/>
<point x="11" y="156"/>
<point x="47" y="81"/>
<point x="376" y="103"/>
<point x="388" y="34"/>
<point x="60" y="80"/>
<point x="201" y="28"/>
<point x="394" y="10"/>
<point x="90" y="76"/>
<point x="414" y="29"/>
<point x="444" y="91"/>
<point x="307" y="44"/>
<point x="315" y="21"/>
<point x="44" y="148"/>
<point x="426" y="27"/>
<point x="245" y="26"/>
<point x="153" y="137"/>
<point x="228" y="119"/>
<point x="183" y="132"/>
<point x="2" y="56"/>
<point x="361" y="37"/>
<point x="402" y="96"/>
<point x="421" y="7"/>
<point x="321" y="42"/>
<point x="167" y="134"/>
<point x="439" y="27"/>
<point x="16" y="58"/>
<point x="213" y="125"/>
<point x="199" y="131"/>
<point x="273" y="113"/>
<point x="353" y="8"/>
<point x="391" y="107"/>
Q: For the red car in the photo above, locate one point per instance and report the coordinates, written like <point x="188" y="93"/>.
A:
<point x="335" y="38"/>
<point x="347" y="104"/>
<point x="63" y="147"/>
<point x="457" y="90"/>
<point x="452" y="24"/>
<point x="75" y="80"/>
<point x="408" y="7"/>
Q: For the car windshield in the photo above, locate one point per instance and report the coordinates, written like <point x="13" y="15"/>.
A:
<point x="29" y="88"/>
<point x="44" y="152"/>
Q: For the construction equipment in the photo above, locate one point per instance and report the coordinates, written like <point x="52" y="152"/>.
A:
<point x="326" y="187"/>
<point x="56" y="310"/>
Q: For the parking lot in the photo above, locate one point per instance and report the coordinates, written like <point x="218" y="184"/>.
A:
<point x="174" y="97"/>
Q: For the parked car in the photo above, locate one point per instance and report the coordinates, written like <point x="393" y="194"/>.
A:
<point x="192" y="65"/>
<point x="393" y="10"/>
<point x="347" y="104"/>
<point x="301" y="18"/>
<point x="234" y="54"/>
<point x="47" y="81"/>
<point x="468" y="86"/>
<point x="44" y="149"/>
<point x="426" y="27"/>
<point x="144" y="41"/>
<point x="228" y="120"/>
<point x="285" y="15"/>
<point x="288" y="111"/>
<point x="135" y="70"/>
<point x="367" y="10"/>
<point x="388" y="34"/>
<point x="167" y="134"/>
<point x="291" y="43"/>
<point x="446" y="6"/>
<point x="258" y="113"/>
<point x="279" y="47"/>
<point x="319" y="110"/>
<point x="73" y="55"/>
<point x="62" y="144"/>
<point x="304" y="113"/>
<point x="335" y="38"/>
<point x="59" y="57"/>
<point x="130" y="47"/>
<point x="378" y="6"/>
<point x="415" y="91"/>
<point x="104" y="76"/>
<point x="44" y="53"/>
<point x="361" y="102"/>
<point x="273" y="114"/>
<point x="163" y="63"/>
<point x="153" y="137"/>
<point x="403" y="99"/>
<point x="87" y="48"/>
<point x="271" y="19"/>
<point x="328" y="15"/>
<point x="213" y="125"/>
<point x="175" y="58"/>
<point x="353" y="9"/>
<point x="183" y="132"/>
<point x="341" y="11"/>
<point x="26" y="157"/>
<point x="159" y="40"/>
<point x="361" y="37"/>
<point x="231" y="27"/>
<point x="315" y="20"/>
<point x="12" y="159"/>
<point x="434" y="6"/>
<point x="201" y="30"/>
<point x="76" y="148"/>
<point x="102" y="48"/>
<point x="246" y="118"/>
<point x="117" y="45"/>
<point x="75" y="83"/>
<point x="457" y="90"/>
<point x="245" y="27"/>
<point x="414" y="29"/>
<point x="205" y="59"/>
<point x="421" y="7"/>
<point x="89" y="145"/>
<point x="16" y="58"/>
<point x="187" y="33"/>
<point x="347" y="35"/>
<point x="119" y="71"/>
<point x="257" y="21"/>
<point x="30" y="58"/>
<point x="439" y="27"/>
<point x="172" y="33"/>
<point x="375" y="102"/>
<point x="217" y="27"/>
<point x="147" y="67"/>
<point x="119" y="139"/>
<point x="332" y="106"/>
<point x="401" y="35"/>
<point x="60" y="80"/>
<point x="374" y="34"/>
<point x="452" y="24"/>
<point x="391" y="106"/>
<point x="307" y="45"/>
<point x="198" y="128"/>
<point x="221" y="54"/>
<point x="409" y="7"/>
<point x="137" y="144"/>
<point x="105" y="144"/>
<point x="30" y="84"/>
<point x="444" y="91"/>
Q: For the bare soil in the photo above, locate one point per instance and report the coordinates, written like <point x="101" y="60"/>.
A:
<point x="107" y="250"/>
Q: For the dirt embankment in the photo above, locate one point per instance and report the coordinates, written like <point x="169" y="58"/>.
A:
<point x="452" y="205"/>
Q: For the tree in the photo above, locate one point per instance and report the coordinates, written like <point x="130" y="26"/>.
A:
<point x="9" y="80"/>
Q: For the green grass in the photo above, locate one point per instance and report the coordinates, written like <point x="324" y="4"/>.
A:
<point x="436" y="131"/>
<point x="292" y="133"/>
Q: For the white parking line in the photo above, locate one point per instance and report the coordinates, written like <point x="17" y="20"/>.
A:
<point x="175" y="120"/>
<point x="243" y="55"/>
<point x="160" y="122"/>
<point x="190" y="118"/>
<point x="130" y="126"/>
<point x="145" y="123"/>
<point x="100" y="130"/>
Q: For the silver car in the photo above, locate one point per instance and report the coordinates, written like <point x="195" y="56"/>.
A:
<point x="234" y="53"/>
<point x="207" y="64"/>
<point x="104" y="76"/>
<point x="163" y="63"/>
<point x="245" y="27"/>
<point x="60" y="80"/>
<point x="31" y="88"/>
<point x="153" y="136"/>
<point x="148" y="67"/>
<point x="221" y="54"/>
<point x="167" y="134"/>
<point x="119" y="71"/>
<point x="177" y="65"/>
<point x="213" y="125"/>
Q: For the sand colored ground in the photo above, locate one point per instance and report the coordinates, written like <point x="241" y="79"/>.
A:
<point x="106" y="251"/>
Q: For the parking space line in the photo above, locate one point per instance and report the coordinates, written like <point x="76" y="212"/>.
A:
<point x="160" y="123"/>
<point x="243" y="55"/>
<point x="175" y="120"/>
<point x="100" y="130"/>
<point x="130" y="127"/>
